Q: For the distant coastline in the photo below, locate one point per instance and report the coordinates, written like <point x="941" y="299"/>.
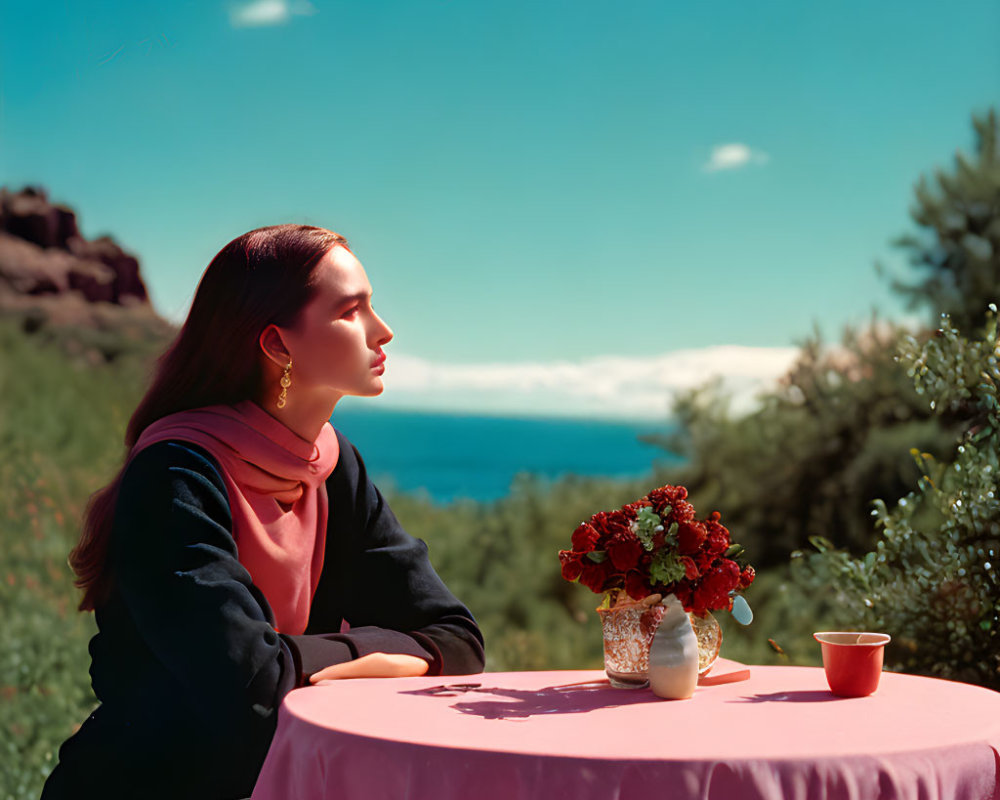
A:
<point x="352" y="405"/>
<point x="449" y="456"/>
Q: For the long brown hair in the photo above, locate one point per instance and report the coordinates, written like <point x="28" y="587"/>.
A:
<point x="261" y="278"/>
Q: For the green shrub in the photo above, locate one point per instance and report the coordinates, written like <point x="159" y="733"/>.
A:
<point x="827" y="441"/>
<point x="931" y="579"/>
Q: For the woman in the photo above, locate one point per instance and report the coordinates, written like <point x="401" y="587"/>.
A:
<point x="242" y="532"/>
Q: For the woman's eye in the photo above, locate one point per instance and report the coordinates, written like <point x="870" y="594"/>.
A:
<point x="349" y="313"/>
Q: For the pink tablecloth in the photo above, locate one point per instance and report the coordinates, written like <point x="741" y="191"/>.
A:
<point x="774" y="733"/>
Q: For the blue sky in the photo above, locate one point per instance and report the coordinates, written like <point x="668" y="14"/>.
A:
<point x="526" y="182"/>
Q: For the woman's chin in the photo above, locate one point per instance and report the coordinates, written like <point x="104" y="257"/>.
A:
<point x="373" y="388"/>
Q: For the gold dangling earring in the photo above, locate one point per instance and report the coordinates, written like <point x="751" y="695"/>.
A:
<point x="285" y="383"/>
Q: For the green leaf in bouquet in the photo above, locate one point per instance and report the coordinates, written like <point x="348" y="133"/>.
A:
<point x="671" y="536"/>
<point x="647" y="524"/>
<point x="734" y="551"/>
<point x="821" y="543"/>
<point x="742" y="612"/>
<point x="598" y="556"/>
<point x="666" y="567"/>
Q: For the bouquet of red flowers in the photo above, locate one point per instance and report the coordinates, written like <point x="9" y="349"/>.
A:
<point x="656" y="546"/>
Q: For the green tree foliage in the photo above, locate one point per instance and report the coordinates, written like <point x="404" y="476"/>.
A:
<point x="931" y="580"/>
<point x="832" y="437"/>
<point x="957" y="251"/>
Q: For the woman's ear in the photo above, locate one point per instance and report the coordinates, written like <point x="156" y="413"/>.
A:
<point x="273" y="346"/>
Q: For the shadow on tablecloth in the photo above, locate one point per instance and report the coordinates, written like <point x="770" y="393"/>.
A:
<point x="523" y="703"/>
<point x="800" y="696"/>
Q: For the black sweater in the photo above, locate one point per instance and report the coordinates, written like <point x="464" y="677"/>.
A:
<point x="186" y="663"/>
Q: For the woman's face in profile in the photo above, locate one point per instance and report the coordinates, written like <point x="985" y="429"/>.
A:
<point x="336" y="342"/>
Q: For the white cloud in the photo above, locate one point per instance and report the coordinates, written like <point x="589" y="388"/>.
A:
<point x="259" y="13"/>
<point x="734" y="156"/>
<point x="612" y="387"/>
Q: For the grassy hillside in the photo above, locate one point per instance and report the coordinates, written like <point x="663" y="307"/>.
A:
<point x="60" y="438"/>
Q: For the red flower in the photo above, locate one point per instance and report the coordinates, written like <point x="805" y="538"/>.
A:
<point x="631" y="511"/>
<point x="665" y="496"/>
<point x="730" y="572"/>
<point x="713" y="590"/>
<point x="700" y="602"/>
<point x="683" y="512"/>
<point x="684" y="594"/>
<point x="690" y="536"/>
<point x="624" y="548"/>
<point x="572" y="564"/>
<point x="704" y="559"/>
<point x="718" y="537"/>
<point x="747" y="576"/>
<point x="594" y="576"/>
<point x="610" y="523"/>
<point x="585" y="538"/>
<point x="624" y="554"/>
<point x="691" y="571"/>
<point x="637" y="586"/>
<point x="658" y="499"/>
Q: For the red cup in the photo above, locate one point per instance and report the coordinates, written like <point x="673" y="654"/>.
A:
<point x="853" y="661"/>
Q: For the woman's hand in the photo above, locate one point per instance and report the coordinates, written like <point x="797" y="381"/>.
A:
<point x="374" y="665"/>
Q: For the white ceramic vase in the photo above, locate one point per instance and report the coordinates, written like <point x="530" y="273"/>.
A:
<point x="673" y="654"/>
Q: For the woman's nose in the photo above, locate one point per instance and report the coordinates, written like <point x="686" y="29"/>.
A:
<point x="383" y="332"/>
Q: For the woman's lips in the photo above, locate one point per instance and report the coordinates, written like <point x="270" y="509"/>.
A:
<point x="379" y="366"/>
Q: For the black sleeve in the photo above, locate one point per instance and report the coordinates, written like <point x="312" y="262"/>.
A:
<point x="195" y="606"/>
<point x="380" y="579"/>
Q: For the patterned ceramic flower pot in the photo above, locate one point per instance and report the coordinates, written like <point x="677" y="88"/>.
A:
<point x="628" y="635"/>
<point x="628" y="632"/>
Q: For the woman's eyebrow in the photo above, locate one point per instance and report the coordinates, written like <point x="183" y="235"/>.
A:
<point x="352" y="298"/>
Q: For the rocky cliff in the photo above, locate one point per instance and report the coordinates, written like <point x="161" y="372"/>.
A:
<point x="51" y="277"/>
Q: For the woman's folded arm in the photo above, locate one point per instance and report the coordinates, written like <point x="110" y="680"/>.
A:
<point x="380" y="579"/>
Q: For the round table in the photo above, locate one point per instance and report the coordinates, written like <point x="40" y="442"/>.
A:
<point x="748" y="732"/>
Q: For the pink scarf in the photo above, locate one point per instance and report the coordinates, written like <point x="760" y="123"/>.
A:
<point x="277" y="494"/>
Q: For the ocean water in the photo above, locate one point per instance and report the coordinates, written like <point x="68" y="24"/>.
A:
<point x="452" y="456"/>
